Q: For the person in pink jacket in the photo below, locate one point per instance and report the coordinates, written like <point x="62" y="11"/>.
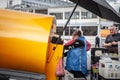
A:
<point x="76" y="37"/>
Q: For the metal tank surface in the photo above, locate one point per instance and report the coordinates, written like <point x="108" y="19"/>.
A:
<point x="25" y="43"/>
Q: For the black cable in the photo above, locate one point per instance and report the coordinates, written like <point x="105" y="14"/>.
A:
<point x="59" y="38"/>
<point x="69" y="18"/>
<point x="67" y="22"/>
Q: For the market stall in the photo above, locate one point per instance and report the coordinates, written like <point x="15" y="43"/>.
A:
<point x="105" y="63"/>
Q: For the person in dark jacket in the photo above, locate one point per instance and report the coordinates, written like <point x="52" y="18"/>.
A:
<point x="97" y="42"/>
<point x="113" y="38"/>
<point x="111" y="42"/>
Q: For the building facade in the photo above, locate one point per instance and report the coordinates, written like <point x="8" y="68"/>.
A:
<point x="81" y="19"/>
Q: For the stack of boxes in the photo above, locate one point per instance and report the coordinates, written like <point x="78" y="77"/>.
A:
<point x="109" y="69"/>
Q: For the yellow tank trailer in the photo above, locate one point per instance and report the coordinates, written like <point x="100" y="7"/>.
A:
<point x="25" y="43"/>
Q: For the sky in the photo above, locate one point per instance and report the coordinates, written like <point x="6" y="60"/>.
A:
<point x="115" y="4"/>
<point x="113" y="0"/>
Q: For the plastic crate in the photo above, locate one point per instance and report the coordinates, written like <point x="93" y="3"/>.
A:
<point x="109" y="69"/>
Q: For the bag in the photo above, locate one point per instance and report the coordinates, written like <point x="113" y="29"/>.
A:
<point x="59" y="70"/>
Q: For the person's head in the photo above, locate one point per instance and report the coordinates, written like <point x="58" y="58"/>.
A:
<point x="77" y="34"/>
<point x="112" y="29"/>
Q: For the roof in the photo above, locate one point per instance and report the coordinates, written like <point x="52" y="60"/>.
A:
<point x="42" y="4"/>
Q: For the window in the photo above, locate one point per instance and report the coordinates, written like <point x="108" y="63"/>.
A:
<point x="59" y="30"/>
<point x="87" y="15"/>
<point x="57" y="15"/>
<point x="41" y="11"/>
<point x="70" y="29"/>
<point x="23" y="2"/>
<point x="94" y="16"/>
<point x="83" y="15"/>
<point x="30" y="10"/>
<point x="74" y="16"/>
<point x="10" y="2"/>
<point x="89" y="30"/>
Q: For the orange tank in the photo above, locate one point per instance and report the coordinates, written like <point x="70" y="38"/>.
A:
<point x="24" y="42"/>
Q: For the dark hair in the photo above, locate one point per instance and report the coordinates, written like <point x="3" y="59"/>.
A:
<point x="77" y="32"/>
